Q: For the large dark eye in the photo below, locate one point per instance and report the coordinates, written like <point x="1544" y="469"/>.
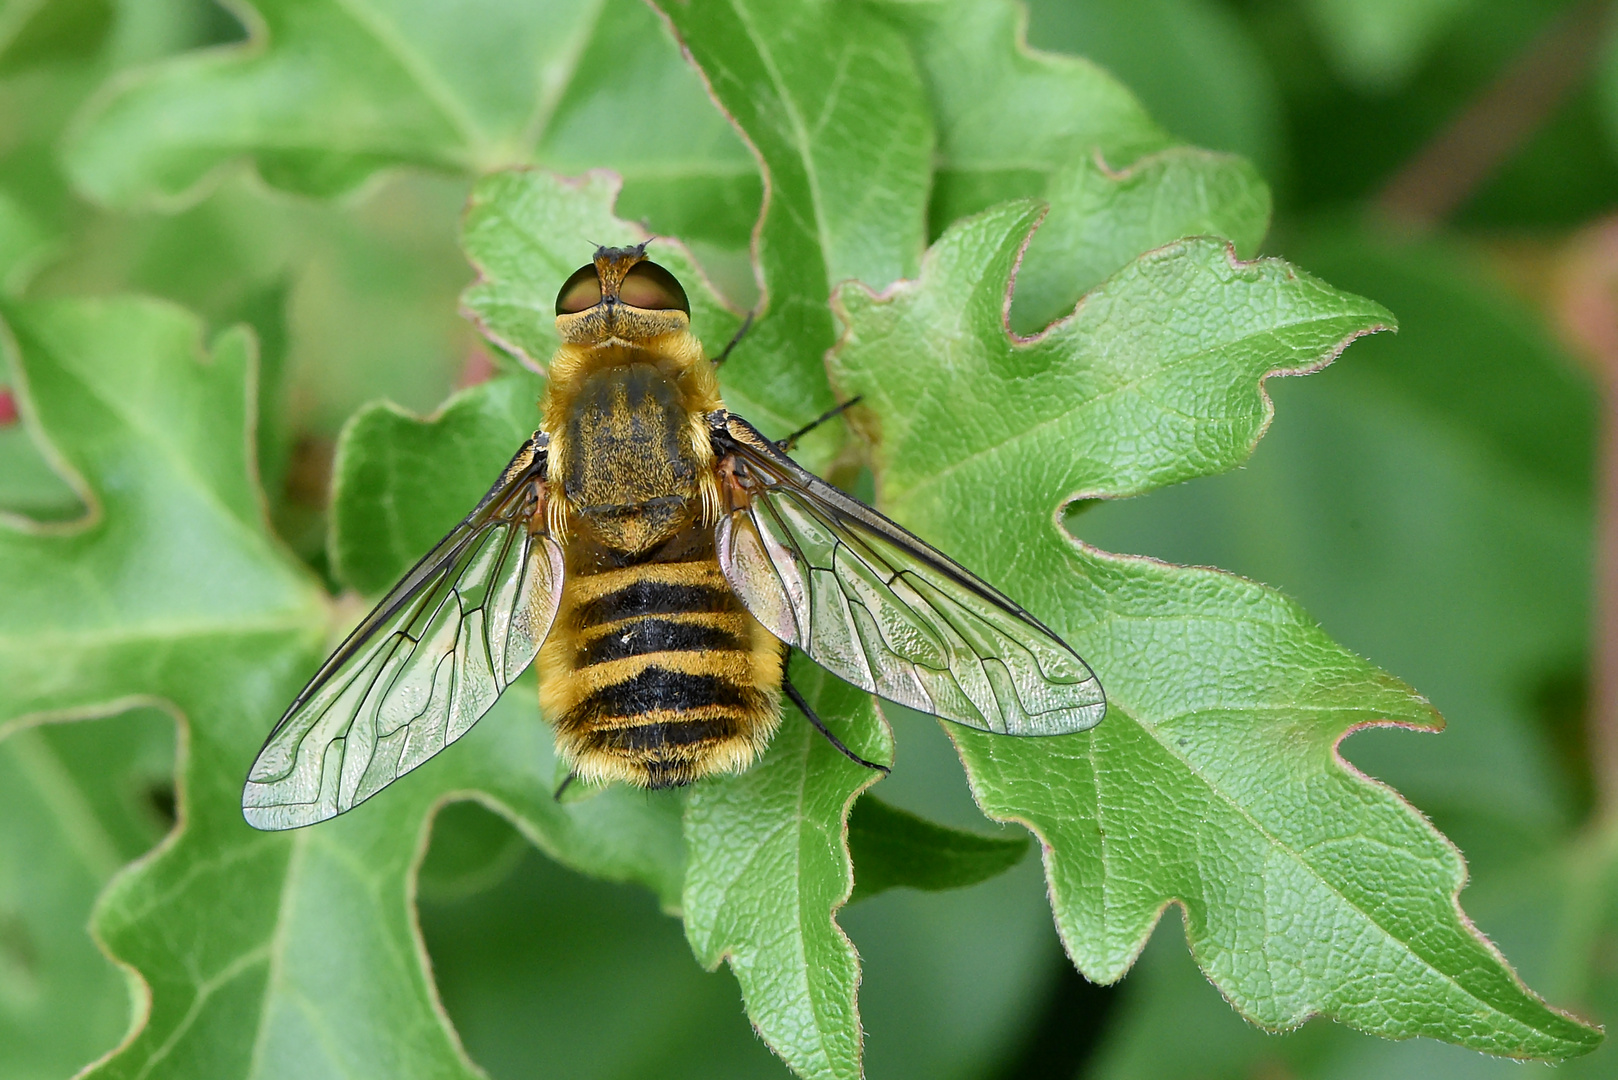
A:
<point x="649" y="286"/>
<point x="581" y="292"/>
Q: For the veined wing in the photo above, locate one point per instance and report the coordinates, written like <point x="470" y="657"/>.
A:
<point x="876" y="606"/>
<point x="424" y="666"/>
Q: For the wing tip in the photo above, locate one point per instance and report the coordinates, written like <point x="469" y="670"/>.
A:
<point x="279" y="817"/>
<point x="1093" y="715"/>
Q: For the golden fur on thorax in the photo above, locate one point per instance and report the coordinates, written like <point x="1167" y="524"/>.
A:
<point x="615" y="335"/>
<point x="680" y="710"/>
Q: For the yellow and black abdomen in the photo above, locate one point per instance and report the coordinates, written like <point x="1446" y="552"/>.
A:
<point x="654" y="673"/>
<point x="659" y="676"/>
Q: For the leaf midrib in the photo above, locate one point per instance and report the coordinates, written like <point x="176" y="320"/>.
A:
<point x="43" y="766"/>
<point x="1019" y="438"/>
<point x="275" y="948"/>
<point x="434" y="88"/>
<point x="800" y="140"/>
<point x="287" y="620"/>
<point x="253" y="534"/>
<point x="1298" y="858"/>
<point x="549" y="93"/>
<point x="797" y="822"/>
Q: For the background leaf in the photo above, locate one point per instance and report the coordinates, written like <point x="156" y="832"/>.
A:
<point x="1100" y="220"/>
<point x="1438" y="525"/>
<point x="1435" y="528"/>
<point x="830" y="101"/>
<point x="769" y="868"/>
<point x="133" y="404"/>
<point x="79" y="800"/>
<point x="538" y="970"/>
<point x="894" y="849"/>
<point x="1008" y="117"/>
<point x="1193" y="63"/>
<point x="1233" y="671"/>
<point x="324" y="95"/>
<point x="1377" y="44"/>
<point x="173" y="574"/>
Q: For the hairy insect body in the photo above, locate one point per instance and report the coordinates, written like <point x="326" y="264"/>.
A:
<point x="658" y="555"/>
<point x="654" y="673"/>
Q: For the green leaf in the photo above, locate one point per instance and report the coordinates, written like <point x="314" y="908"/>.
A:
<point x="830" y="100"/>
<point x="1559" y="902"/>
<point x="1214" y="781"/>
<point x="1430" y="502"/>
<point x="401" y="485"/>
<point x="323" y="95"/>
<point x="79" y="800"/>
<point x="1100" y="220"/>
<point x="1377" y="45"/>
<point x="527" y="230"/>
<point x="170" y="589"/>
<point x="1009" y="117"/>
<point x="24" y="244"/>
<point x="174" y="591"/>
<point x="894" y="848"/>
<point x="174" y="559"/>
<point x="540" y="972"/>
<point x="768" y="868"/>
<point x="1130" y="359"/>
<point x="1198" y="70"/>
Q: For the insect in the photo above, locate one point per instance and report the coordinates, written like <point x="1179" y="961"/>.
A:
<point x="660" y="557"/>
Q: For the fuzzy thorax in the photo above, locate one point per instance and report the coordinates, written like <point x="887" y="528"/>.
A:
<point x="593" y="342"/>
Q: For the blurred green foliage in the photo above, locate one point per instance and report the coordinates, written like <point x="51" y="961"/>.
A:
<point x="1429" y="499"/>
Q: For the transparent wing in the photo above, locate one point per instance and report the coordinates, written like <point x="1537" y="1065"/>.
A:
<point x="424" y="666"/>
<point x="878" y="607"/>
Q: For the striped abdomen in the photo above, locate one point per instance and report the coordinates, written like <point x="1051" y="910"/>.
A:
<point x="656" y="675"/>
<point x="653" y="673"/>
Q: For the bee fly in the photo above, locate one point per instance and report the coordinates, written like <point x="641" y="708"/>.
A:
<point x="660" y="557"/>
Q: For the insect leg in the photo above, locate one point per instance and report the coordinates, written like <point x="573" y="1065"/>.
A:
<point x="557" y="794"/>
<point x="741" y="332"/>
<point x="803" y="707"/>
<point x="791" y="440"/>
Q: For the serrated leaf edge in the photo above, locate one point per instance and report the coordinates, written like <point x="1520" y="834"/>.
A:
<point x="614" y="183"/>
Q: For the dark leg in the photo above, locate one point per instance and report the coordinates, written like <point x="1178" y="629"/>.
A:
<point x="791" y="440"/>
<point x="741" y="332"/>
<point x="803" y="706"/>
<point x="563" y="786"/>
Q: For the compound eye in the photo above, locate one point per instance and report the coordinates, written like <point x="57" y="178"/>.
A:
<point x="580" y="292"/>
<point x="649" y="286"/>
